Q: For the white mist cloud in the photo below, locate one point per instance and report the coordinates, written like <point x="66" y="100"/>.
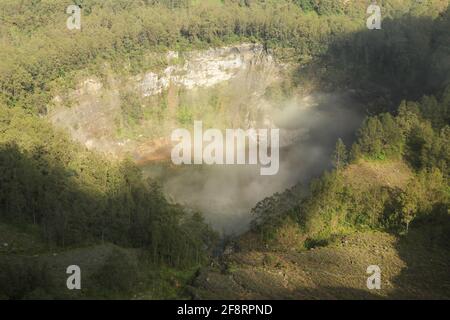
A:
<point x="225" y="194"/>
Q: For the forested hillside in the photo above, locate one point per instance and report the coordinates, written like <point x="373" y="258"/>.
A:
<point x="39" y="54"/>
<point x="58" y="198"/>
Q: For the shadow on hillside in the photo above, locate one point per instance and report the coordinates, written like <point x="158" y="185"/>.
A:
<point x="43" y="191"/>
<point x="426" y="252"/>
<point x="47" y="192"/>
<point x="40" y="196"/>
<point x="404" y="60"/>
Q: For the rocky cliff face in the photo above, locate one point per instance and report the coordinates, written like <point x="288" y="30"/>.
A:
<point x="242" y="73"/>
<point x="207" y="68"/>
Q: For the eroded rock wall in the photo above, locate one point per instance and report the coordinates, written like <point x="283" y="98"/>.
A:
<point x="95" y="107"/>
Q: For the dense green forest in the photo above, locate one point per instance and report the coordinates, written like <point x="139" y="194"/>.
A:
<point x="40" y="54"/>
<point x="70" y="197"/>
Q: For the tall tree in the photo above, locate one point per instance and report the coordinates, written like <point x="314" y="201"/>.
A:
<point x="340" y="155"/>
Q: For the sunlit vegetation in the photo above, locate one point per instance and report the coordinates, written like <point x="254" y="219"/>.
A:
<point x="39" y="52"/>
<point x="409" y="159"/>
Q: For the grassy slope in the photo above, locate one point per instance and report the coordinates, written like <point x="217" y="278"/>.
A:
<point x="413" y="266"/>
